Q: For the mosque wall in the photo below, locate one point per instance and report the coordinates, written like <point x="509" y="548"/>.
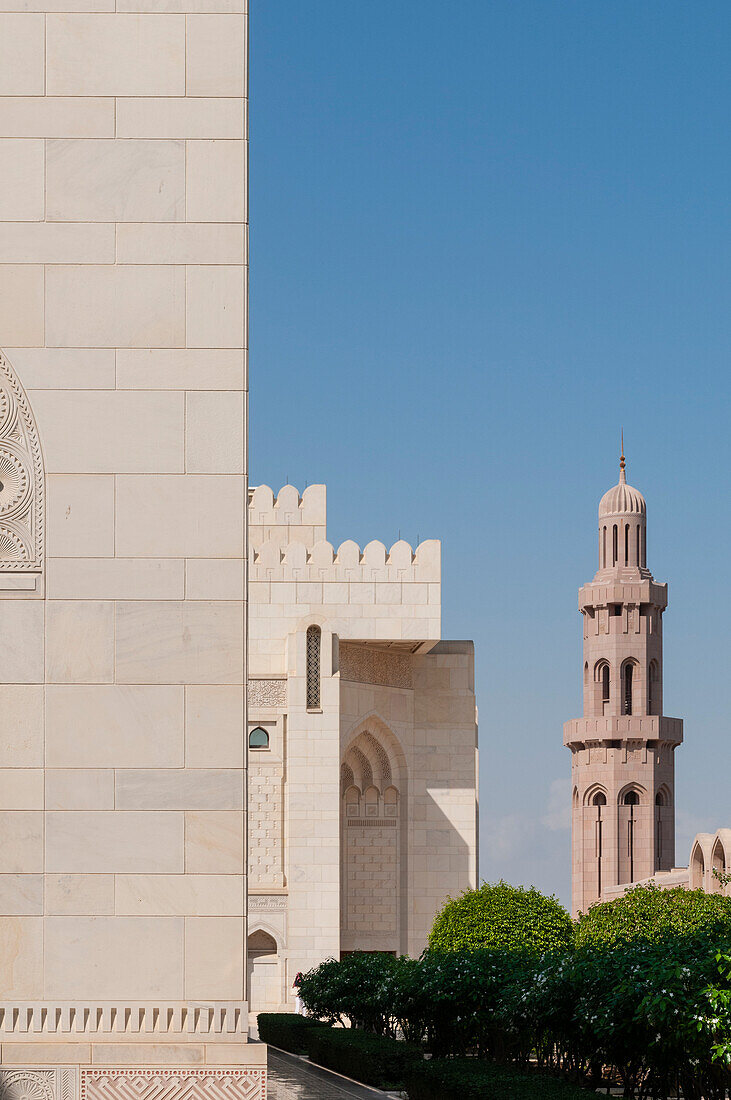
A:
<point x="123" y="325"/>
<point x="375" y="758"/>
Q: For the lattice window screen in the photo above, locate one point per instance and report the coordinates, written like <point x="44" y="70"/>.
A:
<point x="314" y="637"/>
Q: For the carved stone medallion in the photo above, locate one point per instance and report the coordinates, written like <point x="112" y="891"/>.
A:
<point x="21" y="479"/>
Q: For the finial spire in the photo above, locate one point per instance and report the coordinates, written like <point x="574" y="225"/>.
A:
<point x="622" y="476"/>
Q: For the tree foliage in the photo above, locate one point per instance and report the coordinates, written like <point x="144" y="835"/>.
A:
<point x="650" y="914"/>
<point x="511" y="918"/>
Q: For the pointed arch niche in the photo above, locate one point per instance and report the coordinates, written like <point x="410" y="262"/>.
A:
<point x="373" y="837"/>
<point x="21" y="483"/>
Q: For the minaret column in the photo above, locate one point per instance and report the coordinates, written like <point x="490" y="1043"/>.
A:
<point x="623" y="783"/>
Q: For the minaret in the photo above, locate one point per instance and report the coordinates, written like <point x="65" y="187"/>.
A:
<point x="622" y="750"/>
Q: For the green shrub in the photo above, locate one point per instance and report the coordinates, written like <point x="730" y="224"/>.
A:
<point x="501" y="916"/>
<point x="468" y="1079"/>
<point x="361" y="990"/>
<point x="372" y="1059"/>
<point x="651" y="914"/>
<point x="287" y="1030"/>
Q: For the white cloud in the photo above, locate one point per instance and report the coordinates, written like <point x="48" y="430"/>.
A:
<point x="558" y="813"/>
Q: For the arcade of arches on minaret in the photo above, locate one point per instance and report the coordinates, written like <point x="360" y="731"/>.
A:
<point x="622" y="748"/>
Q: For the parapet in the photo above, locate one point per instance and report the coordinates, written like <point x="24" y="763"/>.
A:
<point x="321" y="562"/>
<point x="288" y="541"/>
<point x="287" y="517"/>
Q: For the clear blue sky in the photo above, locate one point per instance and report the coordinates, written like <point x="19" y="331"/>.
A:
<point x="484" y="235"/>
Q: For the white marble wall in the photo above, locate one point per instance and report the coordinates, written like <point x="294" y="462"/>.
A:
<point x="123" y="289"/>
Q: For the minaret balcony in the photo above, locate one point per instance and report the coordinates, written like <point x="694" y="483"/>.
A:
<point x="597" y="594"/>
<point x="624" y="727"/>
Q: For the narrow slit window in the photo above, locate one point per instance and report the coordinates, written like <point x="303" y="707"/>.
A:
<point x="628" y="671"/>
<point x="605" y="684"/>
<point x="626" y="544"/>
<point x="314" y="640"/>
<point x="614" y="544"/>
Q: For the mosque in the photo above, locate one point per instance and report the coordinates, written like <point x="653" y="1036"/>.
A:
<point x="362" y="746"/>
<point x="623" y="748"/>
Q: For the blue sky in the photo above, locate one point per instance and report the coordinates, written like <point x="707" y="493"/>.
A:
<point x="485" y="235"/>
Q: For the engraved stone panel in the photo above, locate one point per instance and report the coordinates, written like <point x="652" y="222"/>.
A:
<point x="261" y="903"/>
<point x="229" y="1083"/>
<point x="368" y="665"/>
<point x="21" y="479"/>
<point x="29" y="1083"/>
<point x="267" y="693"/>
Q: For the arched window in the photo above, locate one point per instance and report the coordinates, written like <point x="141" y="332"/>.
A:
<point x="614" y="544"/>
<point x="258" y="738"/>
<point x="659" y="799"/>
<point x="599" y="800"/>
<point x="652" y="700"/>
<point x="627" y="674"/>
<point x="626" y="544"/>
<point x="639" y="559"/>
<point x="605" y="683"/>
<point x="604" y="547"/>
<point x="631" y="799"/>
<point x="314" y="639"/>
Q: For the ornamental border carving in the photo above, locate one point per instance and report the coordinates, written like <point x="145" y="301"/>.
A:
<point x="173" y="1083"/>
<point x="22" y="511"/>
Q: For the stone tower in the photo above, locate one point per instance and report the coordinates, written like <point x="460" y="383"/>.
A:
<point x="622" y="750"/>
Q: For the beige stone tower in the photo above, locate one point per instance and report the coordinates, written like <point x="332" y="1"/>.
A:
<point x="623" y="772"/>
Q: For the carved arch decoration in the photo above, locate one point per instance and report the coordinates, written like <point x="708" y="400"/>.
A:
<point x="21" y="479"/>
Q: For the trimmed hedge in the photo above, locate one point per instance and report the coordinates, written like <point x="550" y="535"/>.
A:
<point x="382" y="1063"/>
<point x="468" y="1079"/>
<point x="288" y="1031"/>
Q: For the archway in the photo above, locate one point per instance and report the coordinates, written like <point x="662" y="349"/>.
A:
<point x="264" y="972"/>
<point x="372" y="898"/>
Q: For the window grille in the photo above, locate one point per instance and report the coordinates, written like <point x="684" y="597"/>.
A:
<point x="314" y="637"/>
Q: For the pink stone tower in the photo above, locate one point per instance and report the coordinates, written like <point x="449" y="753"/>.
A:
<point x="622" y="750"/>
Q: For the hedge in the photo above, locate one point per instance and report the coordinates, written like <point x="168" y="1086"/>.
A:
<point x="469" y="1079"/>
<point x="372" y="1059"/>
<point x="288" y="1031"/>
<point x="655" y="1017"/>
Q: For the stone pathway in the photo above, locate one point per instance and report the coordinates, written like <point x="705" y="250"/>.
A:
<point x="292" y="1079"/>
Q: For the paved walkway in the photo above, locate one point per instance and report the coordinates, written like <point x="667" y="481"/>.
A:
<point x="292" y="1079"/>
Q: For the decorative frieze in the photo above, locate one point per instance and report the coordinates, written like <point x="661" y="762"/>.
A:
<point x="267" y="693"/>
<point x="107" y="1019"/>
<point x="227" y="1083"/>
<point x="261" y="903"/>
<point x="368" y="665"/>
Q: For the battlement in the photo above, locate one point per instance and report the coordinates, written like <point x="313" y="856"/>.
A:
<point x="295" y="561"/>
<point x="287" y="535"/>
<point x="287" y="517"/>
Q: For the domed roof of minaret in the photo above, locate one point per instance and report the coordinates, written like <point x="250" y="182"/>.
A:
<point x="622" y="499"/>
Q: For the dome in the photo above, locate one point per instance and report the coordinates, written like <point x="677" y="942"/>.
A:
<point x="622" y="499"/>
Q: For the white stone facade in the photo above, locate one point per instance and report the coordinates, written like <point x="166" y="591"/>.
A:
<point x="123" y="328"/>
<point x="363" y="798"/>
